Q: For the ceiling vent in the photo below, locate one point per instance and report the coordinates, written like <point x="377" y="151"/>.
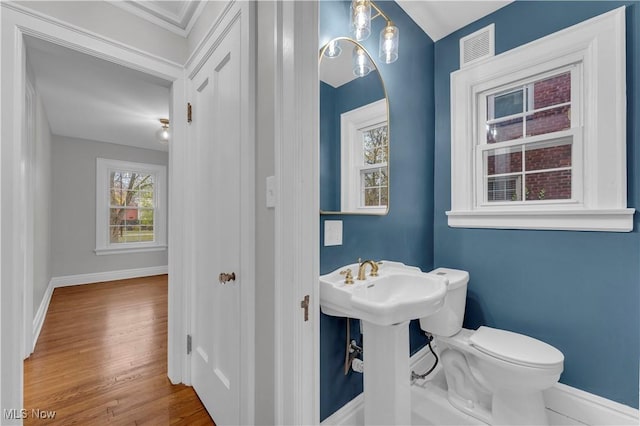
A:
<point x="477" y="46"/>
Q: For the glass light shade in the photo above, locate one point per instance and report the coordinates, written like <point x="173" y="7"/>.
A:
<point x="361" y="63"/>
<point x="361" y="19"/>
<point x="333" y="49"/>
<point x="163" y="135"/>
<point x="389" y="40"/>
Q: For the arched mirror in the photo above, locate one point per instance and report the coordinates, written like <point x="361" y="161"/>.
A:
<point x="354" y="131"/>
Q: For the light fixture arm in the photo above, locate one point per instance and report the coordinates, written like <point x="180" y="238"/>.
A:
<point x="380" y="13"/>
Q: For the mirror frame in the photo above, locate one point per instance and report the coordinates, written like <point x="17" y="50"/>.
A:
<point x="386" y="96"/>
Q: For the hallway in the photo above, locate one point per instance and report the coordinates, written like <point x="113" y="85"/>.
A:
<point x="101" y="358"/>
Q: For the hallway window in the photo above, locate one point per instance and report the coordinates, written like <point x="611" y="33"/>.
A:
<point x="130" y="207"/>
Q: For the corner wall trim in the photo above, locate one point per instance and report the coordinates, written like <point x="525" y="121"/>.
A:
<point x="563" y="402"/>
<point x="38" y="319"/>
<point x="99" y="277"/>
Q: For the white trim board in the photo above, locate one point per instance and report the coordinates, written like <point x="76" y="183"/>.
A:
<point x="565" y="404"/>
<point x="38" y="319"/>
<point x="98" y="277"/>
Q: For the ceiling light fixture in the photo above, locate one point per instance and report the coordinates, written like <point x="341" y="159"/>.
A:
<point x="333" y="50"/>
<point x="361" y="63"/>
<point x="361" y="28"/>
<point x="163" y="133"/>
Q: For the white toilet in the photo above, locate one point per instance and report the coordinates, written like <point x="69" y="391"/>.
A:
<point x="494" y="375"/>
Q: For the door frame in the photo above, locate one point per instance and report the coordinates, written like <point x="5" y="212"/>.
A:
<point x="17" y="22"/>
<point x="297" y="214"/>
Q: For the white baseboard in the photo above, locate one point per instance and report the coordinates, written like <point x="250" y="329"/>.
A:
<point x="99" y="277"/>
<point x="565" y="404"/>
<point x="38" y="319"/>
<point x="588" y="408"/>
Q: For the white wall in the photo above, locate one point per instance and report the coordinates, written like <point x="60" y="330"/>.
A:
<point x="42" y="265"/>
<point x="74" y="207"/>
<point x="112" y="22"/>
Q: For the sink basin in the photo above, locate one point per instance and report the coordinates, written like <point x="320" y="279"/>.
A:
<point x="399" y="293"/>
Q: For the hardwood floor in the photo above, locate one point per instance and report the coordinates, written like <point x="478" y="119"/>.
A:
<point x="101" y="358"/>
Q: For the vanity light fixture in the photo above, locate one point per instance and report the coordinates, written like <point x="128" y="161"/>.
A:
<point x="163" y="133"/>
<point x="361" y="28"/>
<point x="361" y="63"/>
<point x="333" y="50"/>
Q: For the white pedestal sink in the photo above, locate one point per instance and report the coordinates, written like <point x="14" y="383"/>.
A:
<point x="385" y="304"/>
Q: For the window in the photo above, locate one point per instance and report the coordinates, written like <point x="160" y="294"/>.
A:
<point x="526" y="149"/>
<point x="365" y="162"/>
<point x="539" y="134"/>
<point x="130" y="207"/>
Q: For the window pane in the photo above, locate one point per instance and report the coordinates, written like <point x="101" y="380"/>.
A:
<point x="145" y="217"/>
<point x="506" y="160"/>
<point x="372" y="197"/>
<point x="550" y="120"/>
<point x="505" y="130"/>
<point x="384" y="196"/>
<point x="543" y="156"/>
<point x="146" y="234"/>
<point x="371" y="179"/>
<point x="116" y="234"/>
<point x="506" y="104"/>
<point x="116" y="216"/>
<point x="549" y="185"/>
<point x="552" y="91"/>
<point x="142" y="199"/>
<point x="374" y="145"/>
<point x="131" y="234"/>
<point x="507" y="188"/>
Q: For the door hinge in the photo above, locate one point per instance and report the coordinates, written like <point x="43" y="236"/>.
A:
<point x="188" y="344"/>
<point x="304" y="304"/>
<point x="189" y="112"/>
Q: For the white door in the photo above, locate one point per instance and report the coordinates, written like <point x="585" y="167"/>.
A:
<point x="219" y="194"/>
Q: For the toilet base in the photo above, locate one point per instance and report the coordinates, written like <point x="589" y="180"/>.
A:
<point x="512" y="408"/>
<point x="468" y="394"/>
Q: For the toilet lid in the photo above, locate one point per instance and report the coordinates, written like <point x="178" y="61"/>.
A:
<point x="516" y="348"/>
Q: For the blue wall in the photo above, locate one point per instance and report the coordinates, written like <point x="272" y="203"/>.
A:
<point x="334" y="102"/>
<point x="578" y="291"/>
<point x="406" y="233"/>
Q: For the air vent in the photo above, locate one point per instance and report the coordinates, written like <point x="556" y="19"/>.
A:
<point x="477" y="46"/>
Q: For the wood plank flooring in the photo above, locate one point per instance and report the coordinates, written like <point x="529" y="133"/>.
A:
<point x="101" y="358"/>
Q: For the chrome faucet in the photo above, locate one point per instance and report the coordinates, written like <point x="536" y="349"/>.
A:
<point x="361" y="269"/>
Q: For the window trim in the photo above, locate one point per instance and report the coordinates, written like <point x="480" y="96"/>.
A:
<point x="351" y="122"/>
<point x="103" y="245"/>
<point x="599" y="46"/>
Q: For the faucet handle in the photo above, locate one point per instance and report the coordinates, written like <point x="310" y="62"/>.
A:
<point x="348" y="277"/>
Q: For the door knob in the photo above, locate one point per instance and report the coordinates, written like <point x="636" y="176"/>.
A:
<point x="225" y="278"/>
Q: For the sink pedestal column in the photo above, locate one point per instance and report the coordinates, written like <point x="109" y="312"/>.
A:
<point x="387" y="392"/>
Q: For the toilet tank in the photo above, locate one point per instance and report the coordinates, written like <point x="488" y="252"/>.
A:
<point x="448" y="320"/>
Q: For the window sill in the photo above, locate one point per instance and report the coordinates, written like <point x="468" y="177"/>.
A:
<point x="612" y="220"/>
<point x="125" y="250"/>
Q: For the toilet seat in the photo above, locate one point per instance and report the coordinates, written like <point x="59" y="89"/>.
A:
<point x="516" y="348"/>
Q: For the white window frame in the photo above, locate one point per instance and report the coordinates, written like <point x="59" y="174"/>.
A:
<point x="352" y="123"/>
<point x="104" y="167"/>
<point x="596" y="48"/>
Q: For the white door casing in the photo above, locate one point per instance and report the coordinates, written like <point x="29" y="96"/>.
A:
<point x="297" y="213"/>
<point x="222" y="231"/>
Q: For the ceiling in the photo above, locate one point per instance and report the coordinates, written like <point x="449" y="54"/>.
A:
<point x="442" y="17"/>
<point x="89" y="98"/>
